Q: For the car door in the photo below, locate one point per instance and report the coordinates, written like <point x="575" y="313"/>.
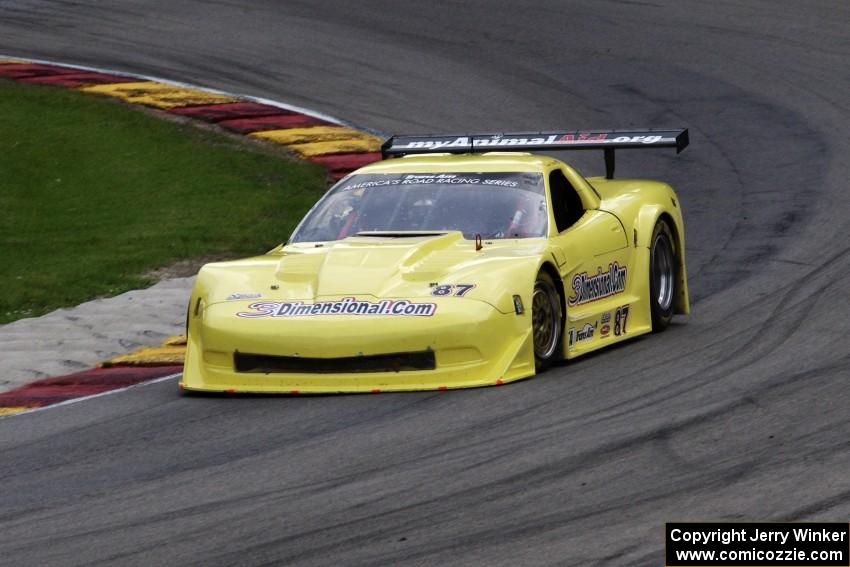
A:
<point x="592" y="252"/>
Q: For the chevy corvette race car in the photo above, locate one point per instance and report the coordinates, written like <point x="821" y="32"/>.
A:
<point x="457" y="261"/>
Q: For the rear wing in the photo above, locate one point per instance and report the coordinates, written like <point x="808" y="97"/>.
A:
<point x="606" y="140"/>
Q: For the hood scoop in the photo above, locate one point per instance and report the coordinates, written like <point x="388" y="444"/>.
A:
<point x="385" y="264"/>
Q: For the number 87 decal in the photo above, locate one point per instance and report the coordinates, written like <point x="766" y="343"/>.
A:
<point x="459" y="289"/>
<point x="621" y="317"/>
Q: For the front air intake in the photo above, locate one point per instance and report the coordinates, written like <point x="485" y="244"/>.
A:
<point x="394" y="362"/>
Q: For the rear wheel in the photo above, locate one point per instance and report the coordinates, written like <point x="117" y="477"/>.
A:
<point x="545" y="321"/>
<point x="663" y="270"/>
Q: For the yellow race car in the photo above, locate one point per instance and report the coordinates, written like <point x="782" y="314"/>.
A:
<point x="457" y="261"/>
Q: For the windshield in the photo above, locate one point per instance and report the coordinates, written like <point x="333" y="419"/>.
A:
<point x="493" y="205"/>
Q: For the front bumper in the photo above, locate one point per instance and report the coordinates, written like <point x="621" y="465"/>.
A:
<point x="473" y="345"/>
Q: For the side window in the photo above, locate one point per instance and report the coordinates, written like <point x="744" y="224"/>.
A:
<point x="566" y="204"/>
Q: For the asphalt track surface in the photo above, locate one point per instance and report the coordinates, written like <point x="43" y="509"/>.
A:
<point x="738" y="412"/>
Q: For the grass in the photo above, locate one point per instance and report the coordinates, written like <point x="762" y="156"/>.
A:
<point x="95" y="194"/>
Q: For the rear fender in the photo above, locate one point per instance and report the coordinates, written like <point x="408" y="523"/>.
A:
<point x="648" y="217"/>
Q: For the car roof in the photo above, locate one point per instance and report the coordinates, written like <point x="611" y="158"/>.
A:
<point x="444" y="163"/>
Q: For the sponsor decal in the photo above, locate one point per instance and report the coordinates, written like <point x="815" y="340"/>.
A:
<point x="587" y="288"/>
<point x="436" y="144"/>
<point x="605" y="330"/>
<point x="606" y="317"/>
<point x="554" y="140"/>
<point x="498" y="140"/>
<point x="346" y="306"/>
<point x="585" y="333"/>
<point x="495" y="179"/>
<point x="233" y="296"/>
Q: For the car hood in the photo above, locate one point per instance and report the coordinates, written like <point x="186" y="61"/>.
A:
<point x="381" y="266"/>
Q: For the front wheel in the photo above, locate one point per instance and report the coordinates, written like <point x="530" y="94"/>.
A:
<point x="662" y="276"/>
<point x="545" y="321"/>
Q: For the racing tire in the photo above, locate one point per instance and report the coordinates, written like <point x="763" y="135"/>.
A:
<point x="663" y="272"/>
<point x="546" y="322"/>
